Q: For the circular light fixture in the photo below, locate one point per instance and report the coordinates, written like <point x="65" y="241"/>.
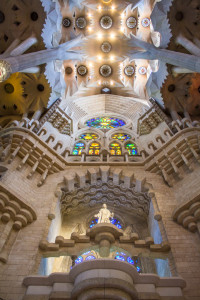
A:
<point x="34" y="16"/>
<point x="40" y="87"/>
<point x="82" y="70"/>
<point x="66" y="22"/>
<point x="145" y="22"/>
<point x="9" y="88"/>
<point x="129" y="70"/>
<point x="68" y="70"/>
<point x="81" y="22"/>
<point x="105" y="70"/>
<point x="131" y="22"/>
<point x="171" y="88"/>
<point x="106" y="22"/>
<point x="142" y="70"/>
<point x="106" y="47"/>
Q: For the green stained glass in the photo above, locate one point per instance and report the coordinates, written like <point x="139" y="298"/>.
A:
<point x="131" y="149"/>
<point x="121" y="136"/>
<point x="78" y="148"/>
<point x="88" y="136"/>
<point x="105" y="122"/>
<point x="115" y="149"/>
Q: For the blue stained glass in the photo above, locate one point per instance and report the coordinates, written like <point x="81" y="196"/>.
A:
<point x="79" y="260"/>
<point x="130" y="260"/>
<point x="86" y="253"/>
<point x="94" y="222"/>
<point x="120" y="257"/>
<point x="138" y="269"/>
<point x="89" y="257"/>
<point x="116" y="223"/>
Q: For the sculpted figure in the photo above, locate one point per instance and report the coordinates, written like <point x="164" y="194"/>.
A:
<point x="104" y="215"/>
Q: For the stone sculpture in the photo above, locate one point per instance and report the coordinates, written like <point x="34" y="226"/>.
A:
<point x="104" y="215"/>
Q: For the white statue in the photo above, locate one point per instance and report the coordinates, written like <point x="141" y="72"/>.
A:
<point x="104" y="215"/>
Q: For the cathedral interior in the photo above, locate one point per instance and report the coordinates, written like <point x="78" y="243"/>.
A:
<point x="100" y="149"/>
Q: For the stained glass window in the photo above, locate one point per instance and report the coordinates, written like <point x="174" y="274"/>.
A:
<point x="113" y="221"/>
<point x="115" y="149"/>
<point x="131" y="148"/>
<point x="116" y="223"/>
<point x="78" y="148"/>
<point x="131" y="260"/>
<point x="94" y="149"/>
<point x="94" y="222"/>
<point x="88" y="136"/>
<point x="105" y="122"/>
<point x="121" y="136"/>
<point x="89" y="257"/>
<point x="79" y="260"/>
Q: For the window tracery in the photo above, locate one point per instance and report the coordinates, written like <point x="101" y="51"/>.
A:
<point x="88" y="136"/>
<point x="78" y="148"/>
<point x="115" y="149"/>
<point x="121" y="136"/>
<point x="131" y="148"/>
<point x="105" y="122"/>
<point x="94" y="149"/>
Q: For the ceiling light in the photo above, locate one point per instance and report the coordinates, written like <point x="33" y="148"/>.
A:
<point x="89" y="29"/>
<point x="99" y="82"/>
<point x="112" y="35"/>
<point x="99" y="35"/>
<point x="99" y="8"/>
<point x="111" y="82"/>
<point x="112" y="57"/>
<point x="99" y="57"/>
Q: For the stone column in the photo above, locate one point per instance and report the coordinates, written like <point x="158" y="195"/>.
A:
<point x="18" y="63"/>
<point x="187" y="44"/>
<point x="186" y="61"/>
<point x="25" y="45"/>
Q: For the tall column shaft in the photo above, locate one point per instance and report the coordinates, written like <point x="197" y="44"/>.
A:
<point x="182" y="60"/>
<point x="25" y="45"/>
<point x="187" y="44"/>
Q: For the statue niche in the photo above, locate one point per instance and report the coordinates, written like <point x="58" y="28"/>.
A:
<point x="104" y="215"/>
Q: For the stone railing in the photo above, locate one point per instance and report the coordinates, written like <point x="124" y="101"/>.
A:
<point x="103" y="278"/>
<point x="47" y="155"/>
<point x="103" y="235"/>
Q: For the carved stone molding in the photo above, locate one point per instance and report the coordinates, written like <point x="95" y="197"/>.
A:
<point x="14" y="215"/>
<point x="102" y="192"/>
<point x="96" y="278"/>
<point x="187" y="214"/>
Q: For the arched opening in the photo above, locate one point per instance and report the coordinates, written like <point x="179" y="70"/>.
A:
<point x="132" y="150"/>
<point x="94" y="148"/>
<point x="78" y="148"/>
<point x="115" y="149"/>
